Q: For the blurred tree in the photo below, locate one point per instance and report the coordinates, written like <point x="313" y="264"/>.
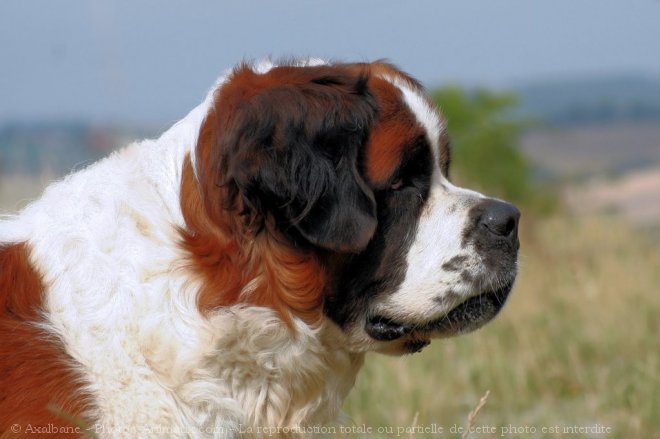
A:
<point x="485" y="145"/>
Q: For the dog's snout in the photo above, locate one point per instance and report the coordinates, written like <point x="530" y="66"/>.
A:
<point x="500" y="219"/>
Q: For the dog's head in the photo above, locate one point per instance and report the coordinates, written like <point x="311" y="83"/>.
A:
<point x="342" y="171"/>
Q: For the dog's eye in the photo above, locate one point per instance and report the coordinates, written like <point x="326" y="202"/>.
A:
<point x="397" y="184"/>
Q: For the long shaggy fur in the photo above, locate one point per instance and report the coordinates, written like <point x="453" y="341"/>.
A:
<point x="227" y="278"/>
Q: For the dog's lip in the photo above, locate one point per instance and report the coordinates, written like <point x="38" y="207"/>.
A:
<point x="385" y="329"/>
<point x="464" y="317"/>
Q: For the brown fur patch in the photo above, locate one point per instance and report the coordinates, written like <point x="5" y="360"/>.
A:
<point x="235" y="266"/>
<point x="36" y="374"/>
<point x="444" y="153"/>
<point x="394" y="131"/>
<point x="383" y="68"/>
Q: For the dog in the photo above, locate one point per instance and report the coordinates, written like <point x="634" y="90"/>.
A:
<point x="228" y="278"/>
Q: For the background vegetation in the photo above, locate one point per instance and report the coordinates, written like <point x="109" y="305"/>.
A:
<point x="578" y="343"/>
<point x="486" y="154"/>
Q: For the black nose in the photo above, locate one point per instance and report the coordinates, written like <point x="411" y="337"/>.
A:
<point x="500" y="220"/>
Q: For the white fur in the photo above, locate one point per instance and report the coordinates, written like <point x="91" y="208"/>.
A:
<point x="105" y="241"/>
<point x="425" y="114"/>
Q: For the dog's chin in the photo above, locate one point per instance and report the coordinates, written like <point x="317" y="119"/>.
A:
<point x="395" y="337"/>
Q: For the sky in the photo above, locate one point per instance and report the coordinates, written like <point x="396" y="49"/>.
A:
<point x="150" y="61"/>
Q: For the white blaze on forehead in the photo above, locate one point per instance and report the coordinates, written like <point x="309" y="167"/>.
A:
<point x="426" y="115"/>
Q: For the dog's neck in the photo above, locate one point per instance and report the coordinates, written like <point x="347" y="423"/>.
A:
<point x="261" y="374"/>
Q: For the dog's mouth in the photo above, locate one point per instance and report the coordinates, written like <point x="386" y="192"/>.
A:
<point x="465" y="317"/>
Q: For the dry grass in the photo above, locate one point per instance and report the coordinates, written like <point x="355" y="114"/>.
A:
<point x="578" y="345"/>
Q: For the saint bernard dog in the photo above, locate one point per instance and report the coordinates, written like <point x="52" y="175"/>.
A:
<point x="229" y="276"/>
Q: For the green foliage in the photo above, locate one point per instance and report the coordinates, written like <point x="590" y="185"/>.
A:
<point x="485" y="145"/>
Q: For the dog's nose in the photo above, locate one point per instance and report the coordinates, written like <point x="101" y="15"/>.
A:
<point x="500" y="220"/>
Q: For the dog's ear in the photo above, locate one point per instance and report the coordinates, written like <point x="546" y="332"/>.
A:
<point x="290" y="141"/>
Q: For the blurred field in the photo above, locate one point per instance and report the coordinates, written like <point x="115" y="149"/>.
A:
<point x="583" y="151"/>
<point x="635" y="195"/>
<point x="577" y="345"/>
<point x="17" y="190"/>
